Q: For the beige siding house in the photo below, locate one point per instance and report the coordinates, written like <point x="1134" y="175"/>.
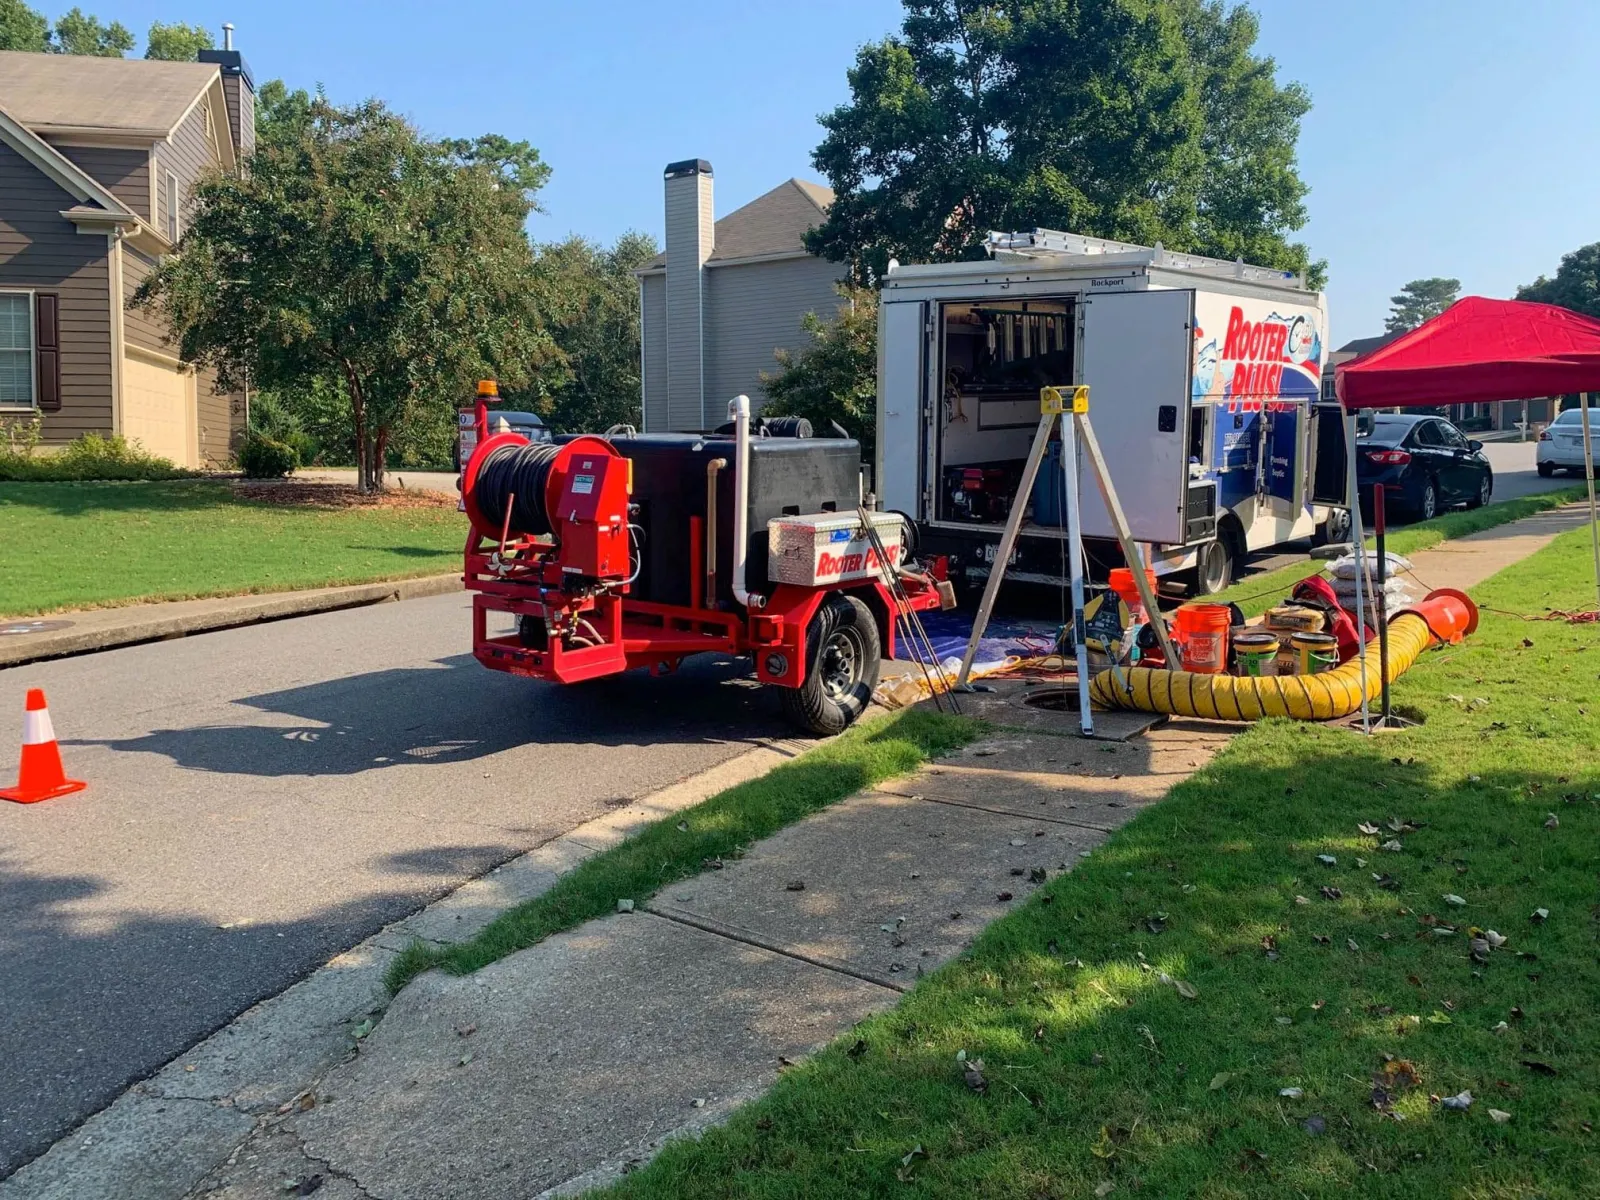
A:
<point x="97" y="160"/>
<point x="725" y="296"/>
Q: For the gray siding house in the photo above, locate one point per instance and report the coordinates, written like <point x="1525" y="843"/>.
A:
<point x="725" y="296"/>
<point x="97" y="159"/>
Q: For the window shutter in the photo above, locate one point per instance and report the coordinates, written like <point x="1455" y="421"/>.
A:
<point x="47" y="349"/>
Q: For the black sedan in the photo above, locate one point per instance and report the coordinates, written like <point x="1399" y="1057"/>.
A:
<point x="1425" y="465"/>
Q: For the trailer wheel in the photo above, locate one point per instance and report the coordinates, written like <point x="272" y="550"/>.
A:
<point x="842" y="659"/>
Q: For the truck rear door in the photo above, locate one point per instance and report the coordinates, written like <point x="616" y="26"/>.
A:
<point x="1137" y="351"/>
<point x="902" y="394"/>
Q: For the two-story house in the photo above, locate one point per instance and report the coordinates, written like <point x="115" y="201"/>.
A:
<point x="97" y="159"/>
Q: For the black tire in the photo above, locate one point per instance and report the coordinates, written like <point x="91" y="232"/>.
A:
<point x="1484" y="493"/>
<point x="843" y="656"/>
<point x="1214" y="570"/>
<point x="1335" y="529"/>
<point x="1546" y="469"/>
<point x="1427" y="506"/>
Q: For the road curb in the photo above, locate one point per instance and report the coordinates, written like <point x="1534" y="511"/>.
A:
<point x="106" y="629"/>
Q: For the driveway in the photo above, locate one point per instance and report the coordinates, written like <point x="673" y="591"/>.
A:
<point x="262" y="799"/>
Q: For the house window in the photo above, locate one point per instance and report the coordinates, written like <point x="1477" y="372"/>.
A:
<point x="16" y="349"/>
<point x="173" y="228"/>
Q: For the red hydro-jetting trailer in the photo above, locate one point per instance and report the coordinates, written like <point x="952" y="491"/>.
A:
<point x="636" y="550"/>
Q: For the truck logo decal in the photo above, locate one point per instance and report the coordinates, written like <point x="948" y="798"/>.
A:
<point x="1262" y="365"/>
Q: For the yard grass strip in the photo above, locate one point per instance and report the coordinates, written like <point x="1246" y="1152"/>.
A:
<point x="89" y="545"/>
<point x="1258" y="593"/>
<point x="719" y="828"/>
<point x="1326" y="1005"/>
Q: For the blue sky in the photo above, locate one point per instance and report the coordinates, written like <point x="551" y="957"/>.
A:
<point x="1448" y="137"/>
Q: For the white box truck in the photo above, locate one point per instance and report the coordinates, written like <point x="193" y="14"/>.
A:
<point x="1205" y="383"/>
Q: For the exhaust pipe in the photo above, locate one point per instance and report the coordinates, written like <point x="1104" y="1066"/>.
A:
<point x="739" y="410"/>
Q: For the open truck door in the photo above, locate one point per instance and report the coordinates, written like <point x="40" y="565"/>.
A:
<point x="1330" y="468"/>
<point x="1137" y="348"/>
<point x="902" y="401"/>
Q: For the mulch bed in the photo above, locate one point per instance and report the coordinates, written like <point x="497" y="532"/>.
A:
<point x="336" y="495"/>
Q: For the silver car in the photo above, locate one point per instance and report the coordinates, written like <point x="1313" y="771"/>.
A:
<point x="1561" y="443"/>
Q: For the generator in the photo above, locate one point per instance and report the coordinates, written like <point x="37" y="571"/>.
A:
<point x="637" y="550"/>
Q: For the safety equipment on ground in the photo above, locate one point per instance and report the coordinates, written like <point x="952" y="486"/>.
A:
<point x="1444" y="616"/>
<point x="41" y="775"/>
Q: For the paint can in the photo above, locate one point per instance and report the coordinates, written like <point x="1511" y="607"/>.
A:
<point x="1317" y="652"/>
<point x="1256" y="653"/>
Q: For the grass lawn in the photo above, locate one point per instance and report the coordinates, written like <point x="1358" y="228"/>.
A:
<point x="1101" y="1076"/>
<point x="1260" y="592"/>
<point x="721" y="827"/>
<point x="82" y="545"/>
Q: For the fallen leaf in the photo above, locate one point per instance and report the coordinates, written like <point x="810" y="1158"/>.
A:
<point x="1399" y="1073"/>
<point x="795" y="885"/>
<point x="1003" y="896"/>
<point x="1350" y="944"/>
<point x="683" y="827"/>
<point x="973" y="1076"/>
<point x="1393" y="845"/>
<point x="1186" y="989"/>
<point x="1284" y="1020"/>
<point x="1368" y="828"/>
<point x="1301" y="900"/>
<point x="1494" y="939"/>
<point x="1499" y="1116"/>
<point x="1438" y="1018"/>
<point x="306" y="1186"/>
<point x="464" y="1059"/>
<point x="466" y="1030"/>
<point x="1315" y="1126"/>
<point x="1460" y="1102"/>
<point x="1037" y="875"/>
<point x="1552" y="821"/>
<point x="361" y="1030"/>
<point x="1219" y="1081"/>
<point x="1316" y="1005"/>
<point x="1452" y="899"/>
<point x="624" y="906"/>
<point x="1540" y="915"/>
<point x="1361" y="862"/>
<point x="1332" y="893"/>
<point x="1501" y="1027"/>
<point x="858" y="1049"/>
<point x="698" y="1102"/>
<point x="1327" y="860"/>
<point x="1019" y="841"/>
<point x="1322" y="939"/>
<point x="1104" y="1189"/>
<point x="1291" y="1093"/>
<point x="1539" y="1068"/>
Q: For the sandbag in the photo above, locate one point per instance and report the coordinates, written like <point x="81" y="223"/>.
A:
<point x="1349" y="566"/>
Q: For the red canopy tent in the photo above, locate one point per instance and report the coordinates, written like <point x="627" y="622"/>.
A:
<point x="1478" y="350"/>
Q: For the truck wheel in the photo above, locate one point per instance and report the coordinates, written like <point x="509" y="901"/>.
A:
<point x="1214" y="570"/>
<point x="1335" y="529"/>
<point x="842" y="660"/>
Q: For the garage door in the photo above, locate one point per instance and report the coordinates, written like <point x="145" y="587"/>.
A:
<point x="158" y="410"/>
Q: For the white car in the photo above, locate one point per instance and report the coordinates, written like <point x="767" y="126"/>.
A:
<point x="1561" y="443"/>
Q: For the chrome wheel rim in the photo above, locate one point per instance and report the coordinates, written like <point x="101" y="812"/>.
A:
<point x="1430" y="502"/>
<point x="839" y="666"/>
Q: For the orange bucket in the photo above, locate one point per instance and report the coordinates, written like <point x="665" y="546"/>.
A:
<point x="1201" y="631"/>
<point x="1123" y="584"/>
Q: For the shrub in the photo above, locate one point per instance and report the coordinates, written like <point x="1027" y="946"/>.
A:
<point x="90" y="457"/>
<point x="262" y="457"/>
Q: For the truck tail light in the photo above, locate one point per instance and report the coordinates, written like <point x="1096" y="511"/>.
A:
<point x="1389" y="458"/>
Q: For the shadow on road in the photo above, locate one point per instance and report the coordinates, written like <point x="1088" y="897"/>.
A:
<point x="457" y="711"/>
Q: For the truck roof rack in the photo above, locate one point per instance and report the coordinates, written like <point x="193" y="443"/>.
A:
<point x="1050" y="246"/>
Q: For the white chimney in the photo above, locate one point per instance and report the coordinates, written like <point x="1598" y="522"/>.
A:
<point x="227" y="35"/>
<point x="690" y="223"/>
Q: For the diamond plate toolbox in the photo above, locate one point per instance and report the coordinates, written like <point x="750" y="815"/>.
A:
<point x="828" y="547"/>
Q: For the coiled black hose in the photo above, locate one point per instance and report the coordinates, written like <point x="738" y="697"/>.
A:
<point x="517" y="473"/>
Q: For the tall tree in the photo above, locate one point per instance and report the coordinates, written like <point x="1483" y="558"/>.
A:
<point x="281" y="114"/>
<point x="176" y="42"/>
<point x="590" y="301"/>
<point x="79" y="33"/>
<point x="23" y="28"/>
<point x="1139" y="120"/>
<point x="1575" y="286"/>
<point x="361" y="252"/>
<point x="833" y="378"/>
<point x="1420" y="300"/>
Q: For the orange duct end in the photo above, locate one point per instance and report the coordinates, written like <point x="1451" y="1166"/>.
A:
<point x="1451" y="615"/>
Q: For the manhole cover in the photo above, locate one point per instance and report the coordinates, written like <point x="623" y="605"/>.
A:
<point x="24" y="627"/>
<point x="1053" y="699"/>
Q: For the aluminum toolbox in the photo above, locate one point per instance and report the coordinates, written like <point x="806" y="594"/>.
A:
<point x="828" y="548"/>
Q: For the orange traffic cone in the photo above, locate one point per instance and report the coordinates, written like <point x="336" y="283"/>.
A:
<point x="41" y="776"/>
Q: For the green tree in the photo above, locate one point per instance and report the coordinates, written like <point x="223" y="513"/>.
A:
<point x="832" y="379"/>
<point x="176" y="42"/>
<point x="1140" y="120"/>
<point x="23" y="28"/>
<point x="281" y="114"/>
<point x="360" y="252"/>
<point x="1576" y="285"/>
<point x="79" y="33"/>
<point x="1420" y="300"/>
<point x="591" y="304"/>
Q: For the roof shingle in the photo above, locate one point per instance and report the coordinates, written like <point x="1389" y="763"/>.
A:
<point x="49" y="92"/>
<point x="772" y="223"/>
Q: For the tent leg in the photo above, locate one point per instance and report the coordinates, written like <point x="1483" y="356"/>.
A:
<point x="1069" y="480"/>
<point x="1588" y="476"/>
<point x="1358" y="537"/>
<point x="1381" y="602"/>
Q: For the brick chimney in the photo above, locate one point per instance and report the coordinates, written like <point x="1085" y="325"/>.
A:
<point x="239" y="88"/>
<point x="689" y="244"/>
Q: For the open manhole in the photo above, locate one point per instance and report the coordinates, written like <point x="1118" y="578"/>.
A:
<point x="1053" y="699"/>
<point x="18" y="628"/>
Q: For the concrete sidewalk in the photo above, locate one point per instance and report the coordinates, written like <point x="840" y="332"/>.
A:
<point x="34" y="639"/>
<point x="559" y="1067"/>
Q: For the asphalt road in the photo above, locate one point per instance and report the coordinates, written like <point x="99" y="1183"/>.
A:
<point x="262" y="799"/>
